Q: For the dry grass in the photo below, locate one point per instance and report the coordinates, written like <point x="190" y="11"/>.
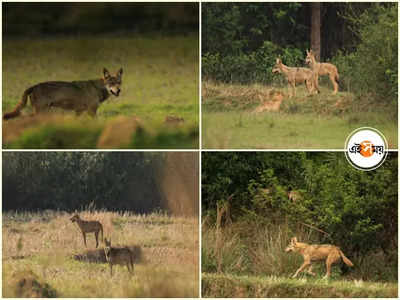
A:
<point x="46" y="245"/>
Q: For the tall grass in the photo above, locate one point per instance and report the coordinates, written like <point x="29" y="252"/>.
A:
<point x="45" y="245"/>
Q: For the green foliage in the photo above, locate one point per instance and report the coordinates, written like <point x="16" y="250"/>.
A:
<point x="242" y="40"/>
<point x="249" y="67"/>
<point x="356" y="210"/>
<point x="372" y="68"/>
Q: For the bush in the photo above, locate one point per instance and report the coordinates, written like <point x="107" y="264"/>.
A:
<point x="255" y="66"/>
<point x="372" y="68"/>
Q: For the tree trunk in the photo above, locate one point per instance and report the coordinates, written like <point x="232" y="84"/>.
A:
<point x="315" y="29"/>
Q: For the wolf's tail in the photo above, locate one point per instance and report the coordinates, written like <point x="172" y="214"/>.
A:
<point x="21" y="104"/>
<point x="345" y="259"/>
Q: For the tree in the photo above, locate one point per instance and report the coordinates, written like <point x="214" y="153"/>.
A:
<point x="316" y="29"/>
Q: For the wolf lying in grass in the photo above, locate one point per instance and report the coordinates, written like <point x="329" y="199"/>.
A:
<point x="118" y="256"/>
<point x="294" y="75"/>
<point x="78" y="96"/>
<point x="87" y="227"/>
<point x="320" y="69"/>
<point x="330" y="253"/>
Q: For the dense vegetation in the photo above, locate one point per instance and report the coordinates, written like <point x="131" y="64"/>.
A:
<point x="334" y="204"/>
<point x="240" y="42"/>
<point x="141" y="182"/>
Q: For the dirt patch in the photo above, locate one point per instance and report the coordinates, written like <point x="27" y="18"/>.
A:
<point x="26" y="284"/>
<point x="118" y="132"/>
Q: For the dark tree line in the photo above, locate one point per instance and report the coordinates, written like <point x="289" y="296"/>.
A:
<point x="109" y="180"/>
<point x="230" y="28"/>
<point x="27" y="19"/>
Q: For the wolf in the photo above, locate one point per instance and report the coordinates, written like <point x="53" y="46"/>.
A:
<point x="294" y="75"/>
<point x="330" y="253"/>
<point x="87" y="227"/>
<point x="118" y="256"/>
<point x="320" y="69"/>
<point x="78" y="96"/>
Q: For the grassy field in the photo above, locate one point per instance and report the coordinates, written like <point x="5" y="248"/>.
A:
<point x="44" y="255"/>
<point x="233" y="117"/>
<point x="159" y="83"/>
<point x="231" y="286"/>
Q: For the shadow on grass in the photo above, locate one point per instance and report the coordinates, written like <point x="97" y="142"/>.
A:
<point x="98" y="256"/>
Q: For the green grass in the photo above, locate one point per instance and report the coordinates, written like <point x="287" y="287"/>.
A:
<point x="160" y="79"/>
<point x="233" y="286"/>
<point x="229" y="119"/>
<point x="43" y="246"/>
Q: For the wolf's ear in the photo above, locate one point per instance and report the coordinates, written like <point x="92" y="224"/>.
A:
<point x="294" y="240"/>
<point x="106" y="73"/>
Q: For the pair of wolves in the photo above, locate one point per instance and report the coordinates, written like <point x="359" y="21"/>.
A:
<point x="330" y="253"/>
<point x="79" y="96"/>
<point x="308" y="76"/>
<point x="114" y="255"/>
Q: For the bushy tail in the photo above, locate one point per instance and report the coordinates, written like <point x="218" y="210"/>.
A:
<point x="337" y="77"/>
<point x="17" y="110"/>
<point x="345" y="259"/>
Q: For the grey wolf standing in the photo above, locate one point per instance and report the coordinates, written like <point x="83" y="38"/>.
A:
<point x="330" y="253"/>
<point x="118" y="256"/>
<point x="320" y="69"/>
<point x="87" y="227"/>
<point x="78" y="96"/>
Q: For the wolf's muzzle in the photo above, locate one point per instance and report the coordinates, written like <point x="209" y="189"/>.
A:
<point x="115" y="93"/>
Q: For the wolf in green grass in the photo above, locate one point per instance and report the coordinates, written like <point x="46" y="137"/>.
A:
<point x="79" y="96"/>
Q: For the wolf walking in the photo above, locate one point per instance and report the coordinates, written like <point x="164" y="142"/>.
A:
<point x="88" y="227"/>
<point x="330" y="253"/>
<point x="78" y="96"/>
